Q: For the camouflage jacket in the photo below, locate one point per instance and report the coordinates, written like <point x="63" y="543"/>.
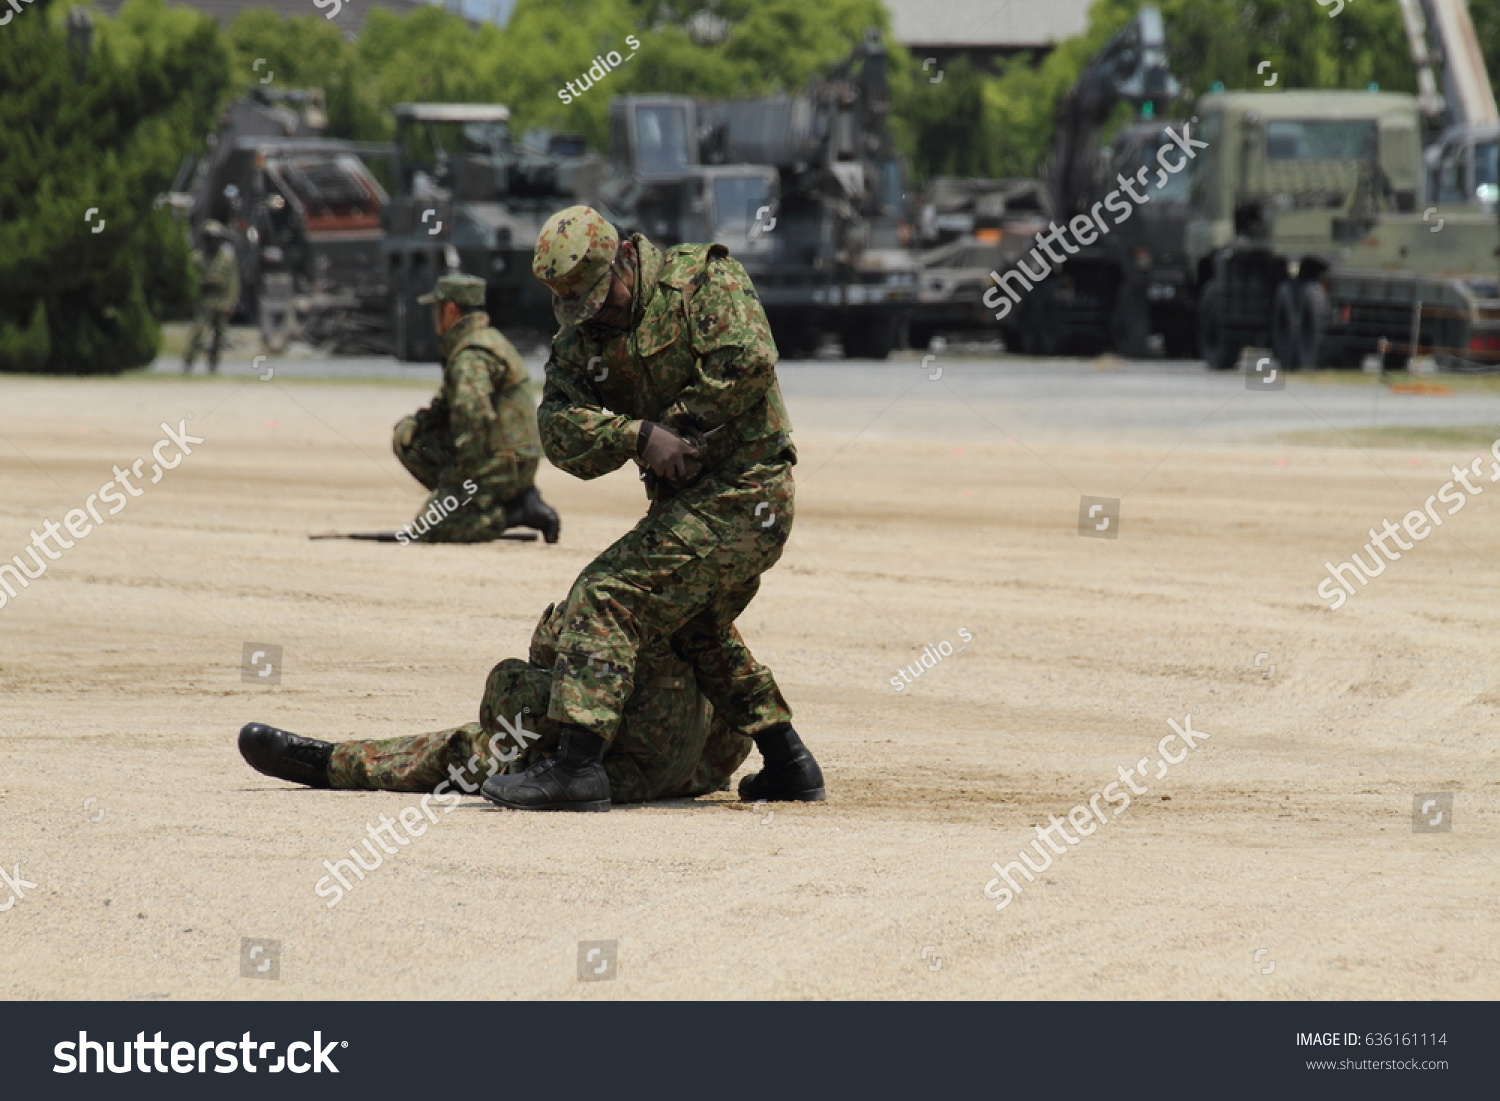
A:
<point x="484" y="397"/>
<point x="669" y="742"/>
<point x="698" y="358"/>
<point x="219" y="277"/>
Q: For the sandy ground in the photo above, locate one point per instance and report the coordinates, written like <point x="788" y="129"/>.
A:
<point x="1278" y="859"/>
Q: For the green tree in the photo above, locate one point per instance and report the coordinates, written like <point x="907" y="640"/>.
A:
<point x="1208" y="41"/>
<point x="87" y="261"/>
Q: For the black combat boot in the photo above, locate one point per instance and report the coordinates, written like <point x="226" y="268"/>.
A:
<point x="285" y="755"/>
<point x="571" y="779"/>
<point x="530" y="511"/>
<point x="789" y="773"/>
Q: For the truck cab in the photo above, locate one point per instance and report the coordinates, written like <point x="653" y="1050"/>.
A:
<point x="470" y="197"/>
<point x="1306" y="235"/>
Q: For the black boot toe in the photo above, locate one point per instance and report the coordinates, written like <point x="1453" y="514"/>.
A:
<point x="285" y="755"/>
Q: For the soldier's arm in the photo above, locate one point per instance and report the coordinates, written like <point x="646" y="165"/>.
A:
<point x="579" y="435"/>
<point x="468" y="395"/>
<point x="732" y="340"/>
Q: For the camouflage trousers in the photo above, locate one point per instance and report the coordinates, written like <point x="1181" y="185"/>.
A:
<point x="460" y="509"/>
<point x="684" y="573"/>
<point x="674" y="747"/>
<point x="209" y="325"/>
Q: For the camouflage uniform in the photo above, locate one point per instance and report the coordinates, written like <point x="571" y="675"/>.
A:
<point x="480" y="430"/>
<point x="670" y="743"/>
<point x="218" y="294"/>
<point x="700" y="360"/>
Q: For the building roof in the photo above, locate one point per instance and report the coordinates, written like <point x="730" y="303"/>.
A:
<point x="987" y="24"/>
<point x="453" y="112"/>
<point x="348" y="15"/>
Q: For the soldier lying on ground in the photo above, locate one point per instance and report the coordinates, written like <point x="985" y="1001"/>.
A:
<point x="670" y="743"/>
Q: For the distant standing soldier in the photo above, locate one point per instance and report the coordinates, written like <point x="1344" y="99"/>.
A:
<point x="665" y="360"/>
<point x="218" y="294"/>
<point x="477" y="443"/>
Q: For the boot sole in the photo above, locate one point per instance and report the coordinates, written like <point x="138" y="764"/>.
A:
<point x="812" y="795"/>
<point x="596" y="805"/>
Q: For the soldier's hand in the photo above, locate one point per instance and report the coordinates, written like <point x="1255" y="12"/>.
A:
<point x="665" y="452"/>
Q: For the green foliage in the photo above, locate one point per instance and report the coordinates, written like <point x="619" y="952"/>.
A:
<point x="73" y="300"/>
<point x="433" y="55"/>
<point x="1208" y="41"/>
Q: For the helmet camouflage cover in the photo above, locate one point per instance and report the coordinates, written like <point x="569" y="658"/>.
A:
<point x="456" y="287"/>
<point x="573" y="256"/>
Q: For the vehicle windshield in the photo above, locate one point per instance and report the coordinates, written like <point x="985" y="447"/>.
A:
<point x="1487" y="171"/>
<point x="1320" y="139"/>
<point x="661" y="139"/>
<point x="426" y="144"/>
<point x="737" y="199"/>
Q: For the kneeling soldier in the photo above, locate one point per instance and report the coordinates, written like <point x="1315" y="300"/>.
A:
<point x="476" y="446"/>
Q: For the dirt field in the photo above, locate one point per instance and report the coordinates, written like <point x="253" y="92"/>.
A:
<point x="1278" y="859"/>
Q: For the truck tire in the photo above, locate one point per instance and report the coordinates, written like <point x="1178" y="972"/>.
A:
<point x="1313" y="319"/>
<point x="1038" y="323"/>
<point x="1216" y="341"/>
<point x="1286" y="325"/>
<point x="1130" y="324"/>
<point x="796" y="337"/>
<point x="401" y="319"/>
<point x="1180" y="335"/>
<point x="869" y="337"/>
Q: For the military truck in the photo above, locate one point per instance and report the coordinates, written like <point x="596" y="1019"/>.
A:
<point x="303" y="211"/>
<point x="1304" y="236"/>
<point x="1457" y="102"/>
<point x="967" y="228"/>
<point x="469" y="198"/>
<point x="1127" y="285"/>
<point x="806" y="191"/>
<point x="654" y="183"/>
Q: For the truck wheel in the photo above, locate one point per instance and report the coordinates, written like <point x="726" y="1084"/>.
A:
<point x="1216" y="343"/>
<point x="1313" y="348"/>
<point x="795" y="337"/>
<point x="869" y="337"/>
<point x="1286" y="326"/>
<point x="401" y="319"/>
<point x="920" y="336"/>
<point x="1038" y="323"/>
<point x="1130" y="324"/>
<point x="1181" y="336"/>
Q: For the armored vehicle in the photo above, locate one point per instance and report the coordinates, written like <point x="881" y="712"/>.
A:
<point x="470" y="198"/>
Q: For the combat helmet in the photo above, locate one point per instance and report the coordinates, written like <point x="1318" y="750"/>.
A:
<point x="574" y="253"/>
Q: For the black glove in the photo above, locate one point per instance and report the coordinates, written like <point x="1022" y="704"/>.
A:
<point x="664" y="451"/>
